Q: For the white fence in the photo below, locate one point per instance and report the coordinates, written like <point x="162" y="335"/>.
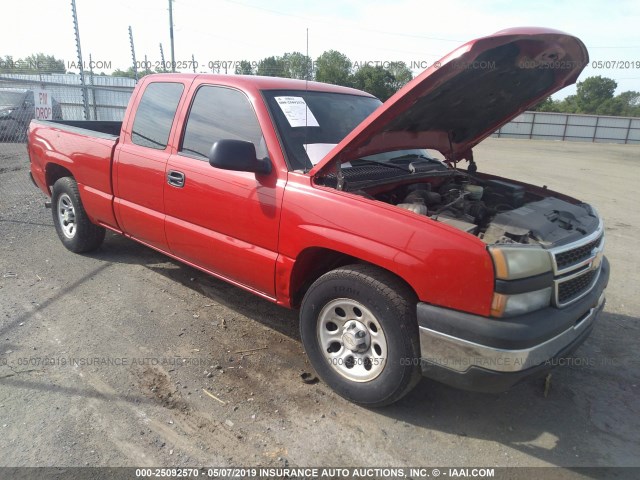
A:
<point x="572" y="127"/>
<point x="107" y="97"/>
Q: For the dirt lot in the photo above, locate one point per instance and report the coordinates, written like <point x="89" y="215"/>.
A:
<point x="105" y="358"/>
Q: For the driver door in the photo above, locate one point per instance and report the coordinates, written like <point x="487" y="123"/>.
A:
<point x="224" y="221"/>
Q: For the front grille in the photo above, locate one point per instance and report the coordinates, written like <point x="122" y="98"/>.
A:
<point x="576" y="255"/>
<point x="575" y="287"/>
<point x="577" y="267"/>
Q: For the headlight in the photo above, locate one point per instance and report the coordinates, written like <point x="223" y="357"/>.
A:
<point x="513" y="263"/>
<point x="5" y="113"/>
<point x="523" y="279"/>
<point x="504" y="305"/>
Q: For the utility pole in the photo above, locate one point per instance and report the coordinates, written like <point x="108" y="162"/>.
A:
<point x="85" y="100"/>
<point x="93" y="89"/>
<point x="173" y="57"/>
<point x="193" y="62"/>
<point x="133" y="54"/>
<point x="164" y="68"/>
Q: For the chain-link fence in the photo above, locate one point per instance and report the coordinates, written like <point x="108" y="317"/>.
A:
<point x="58" y="97"/>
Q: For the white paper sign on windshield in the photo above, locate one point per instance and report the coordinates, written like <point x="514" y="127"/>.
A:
<point x="297" y="112"/>
<point x="317" y="151"/>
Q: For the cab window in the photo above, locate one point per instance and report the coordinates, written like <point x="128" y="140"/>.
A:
<point x="219" y="113"/>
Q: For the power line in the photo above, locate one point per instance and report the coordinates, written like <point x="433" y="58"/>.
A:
<point x="333" y="24"/>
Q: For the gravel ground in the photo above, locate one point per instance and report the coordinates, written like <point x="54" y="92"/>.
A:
<point x="126" y="358"/>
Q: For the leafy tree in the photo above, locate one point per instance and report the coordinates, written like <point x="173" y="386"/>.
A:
<point x="129" y="73"/>
<point x="593" y="92"/>
<point x="611" y="106"/>
<point x="375" y="80"/>
<point x="333" y="67"/>
<point x="271" y="67"/>
<point x="631" y="103"/>
<point x="46" y="63"/>
<point x="297" y="65"/>
<point x="569" y="105"/>
<point x="630" y="98"/>
<point x="546" y="105"/>
<point x="595" y="96"/>
<point x="7" y="63"/>
<point x="244" y="68"/>
<point x="32" y="64"/>
<point x="401" y="75"/>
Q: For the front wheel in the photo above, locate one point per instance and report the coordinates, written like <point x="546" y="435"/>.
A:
<point x="358" y="326"/>
<point x="76" y="232"/>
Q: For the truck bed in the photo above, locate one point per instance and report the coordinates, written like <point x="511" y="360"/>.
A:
<point x="85" y="149"/>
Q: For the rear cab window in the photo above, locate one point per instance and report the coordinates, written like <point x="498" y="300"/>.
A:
<point x="155" y="114"/>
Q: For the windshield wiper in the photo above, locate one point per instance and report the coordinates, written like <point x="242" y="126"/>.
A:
<point x="385" y="164"/>
<point x="414" y="155"/>
<point x="418" y="157"/>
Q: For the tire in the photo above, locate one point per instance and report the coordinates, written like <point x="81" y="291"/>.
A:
<point x="358" y="326"/>
<point x="76" y="232"/>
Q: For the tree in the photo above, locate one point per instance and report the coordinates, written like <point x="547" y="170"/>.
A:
<point x="401" y="75"/>
<point x="546" y="105"/>
<point x="129" y="73"/>
<point x="7" y="63"/>
<point x="375" y="80"/>
<point x="595" y="96"/>
<point x="297" y="65"/>
<point x="631" y="103"/>
<point x="244" y="68"/>
<point x="271" y="67"/>
<point x="611" y="106"/>
<point x="333" y="67"/>
<point x="593" y="92"/>
<point x="32" y="64"/>
<point x="46" y="63"/>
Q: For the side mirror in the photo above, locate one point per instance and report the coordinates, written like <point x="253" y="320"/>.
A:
<point x="238" y="155"/>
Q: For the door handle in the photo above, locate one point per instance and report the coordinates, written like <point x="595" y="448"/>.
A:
<point x="175" y="178"/>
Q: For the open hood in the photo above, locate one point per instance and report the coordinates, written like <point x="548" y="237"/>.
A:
<point x="467" y="95"/>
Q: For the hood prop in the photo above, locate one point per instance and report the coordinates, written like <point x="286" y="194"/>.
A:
<point x="339" y="176"/>
<point x="452" y="159"/>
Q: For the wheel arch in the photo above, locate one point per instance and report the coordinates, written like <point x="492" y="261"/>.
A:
<point x="54" y="172"/>
<point x="313" y="262"/>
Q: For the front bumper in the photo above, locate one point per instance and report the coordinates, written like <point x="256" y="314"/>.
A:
<point x="490" y="355"/>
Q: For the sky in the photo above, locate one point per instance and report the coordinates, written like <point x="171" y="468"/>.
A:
<point x="216" y="32"/>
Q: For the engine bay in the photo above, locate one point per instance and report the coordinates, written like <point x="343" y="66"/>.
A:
<point x="496" y="211"/>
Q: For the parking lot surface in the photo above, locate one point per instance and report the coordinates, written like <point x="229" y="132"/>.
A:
<point x="124" y="357"/>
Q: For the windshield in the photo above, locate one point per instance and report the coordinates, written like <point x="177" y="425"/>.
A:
<point x="312" y="123"/>
<point x="10" y="99"/>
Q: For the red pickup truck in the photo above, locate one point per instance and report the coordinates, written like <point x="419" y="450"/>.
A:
<point x="320" y="198"/>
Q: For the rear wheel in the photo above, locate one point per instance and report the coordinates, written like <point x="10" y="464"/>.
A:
<point x="359" y="329"/>
<point x="76" y="232"/>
